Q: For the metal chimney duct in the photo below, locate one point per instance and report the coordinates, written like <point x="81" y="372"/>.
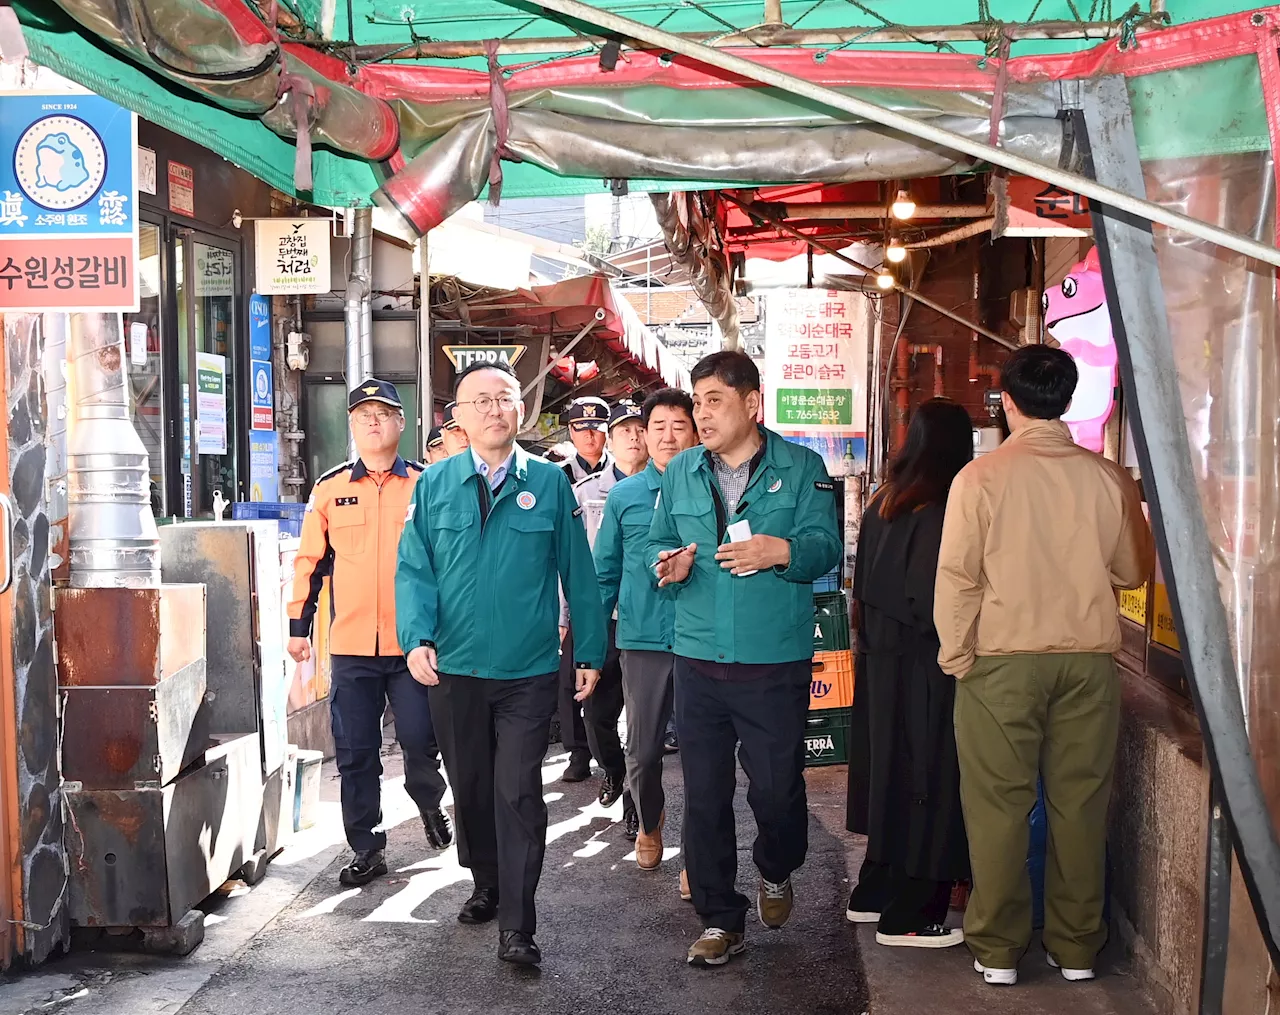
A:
<point x="113" y="541"/>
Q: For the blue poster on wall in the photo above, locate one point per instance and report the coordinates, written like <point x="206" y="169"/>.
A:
<point x="263" y="415"/>
<point x="264" y="480"/>
<point x="259" y="327"/>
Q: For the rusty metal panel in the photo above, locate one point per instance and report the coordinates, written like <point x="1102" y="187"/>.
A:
<point x="125" y="737"/>
<point x="217" y="555"/>
<point x="117" y="846"/>
<point x="155" y="632"/>
<point x="211" y="818"/>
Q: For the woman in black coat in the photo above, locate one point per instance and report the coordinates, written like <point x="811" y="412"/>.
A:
<point x="904" y="778"/>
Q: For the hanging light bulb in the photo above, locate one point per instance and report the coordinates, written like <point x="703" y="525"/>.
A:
<point x="903" y="206"/>
<point x="885" y="279"/>
<point x="895" y="252"/>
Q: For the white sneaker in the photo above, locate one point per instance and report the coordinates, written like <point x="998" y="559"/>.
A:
<point x="999" y="977"/>
<point x="1074" y="975"/>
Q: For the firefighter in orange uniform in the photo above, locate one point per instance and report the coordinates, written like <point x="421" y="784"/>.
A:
<point x="351" y="532"/>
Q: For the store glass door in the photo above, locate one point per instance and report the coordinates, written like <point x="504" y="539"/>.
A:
<point x="207" y="289"/>
<point x="142" y="335"/>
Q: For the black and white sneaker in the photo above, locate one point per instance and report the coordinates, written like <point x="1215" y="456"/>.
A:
<point x="933" y="936"/>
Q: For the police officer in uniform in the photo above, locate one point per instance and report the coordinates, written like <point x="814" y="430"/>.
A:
<point x="435" y="446"/>
<point x="629" y="455"/>
<point x="588" y="420"/>
<point x="454" y="437"/>
<point x="350" y="532"/>
<point x="487" y="534"/>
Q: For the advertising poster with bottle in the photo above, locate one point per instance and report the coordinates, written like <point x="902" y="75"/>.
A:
<point x="815" y="373"/>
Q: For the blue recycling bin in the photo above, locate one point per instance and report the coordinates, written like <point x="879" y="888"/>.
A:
<point x="1036" y="859"/>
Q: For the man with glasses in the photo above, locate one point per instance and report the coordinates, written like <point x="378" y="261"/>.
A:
<point x="350" y="533"/>
<point x="486" y="537"/>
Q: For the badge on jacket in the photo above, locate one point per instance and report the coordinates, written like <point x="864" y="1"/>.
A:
<point x="526" y="500"/>
<point x="345" y="501"/>
<point x="775" y="486"/>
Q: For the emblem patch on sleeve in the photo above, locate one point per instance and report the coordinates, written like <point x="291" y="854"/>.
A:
<point x="408" y="515"/>
<point x="824" y="486"/>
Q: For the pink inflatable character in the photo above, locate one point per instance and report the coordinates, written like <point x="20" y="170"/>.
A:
<point x="1075" y="315"/>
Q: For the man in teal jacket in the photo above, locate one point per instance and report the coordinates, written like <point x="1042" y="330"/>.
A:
<point x="488" y="533"/>
<point x="743" y="640"/>
<point x="646" y="614"/>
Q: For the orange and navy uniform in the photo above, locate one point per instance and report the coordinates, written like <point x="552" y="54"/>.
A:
<point x="351" y="532"/>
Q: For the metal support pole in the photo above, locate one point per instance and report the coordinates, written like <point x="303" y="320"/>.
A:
<point x="1134" y="293"/>
<point x="426" y="355"/>
<point x="926" y="131"/>
<point x="586" y="328"/>
<point x="1217" y="906"/>
<point x="826" y="248"/>
<point x="362" y="270"/>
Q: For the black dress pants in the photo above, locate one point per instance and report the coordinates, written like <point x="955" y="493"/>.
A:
<point x="494" y="737"/>
<point x="765" y="718"/>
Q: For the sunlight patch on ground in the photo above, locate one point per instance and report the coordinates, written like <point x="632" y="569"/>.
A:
<point x="331" y="903"/>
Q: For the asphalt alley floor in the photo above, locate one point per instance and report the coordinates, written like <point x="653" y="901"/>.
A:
<point x="613" y="937"/>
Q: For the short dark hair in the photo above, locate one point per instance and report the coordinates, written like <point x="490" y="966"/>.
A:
<point x="735" y="369"/>
<point x="498" y="365"/>
<point x="1040" y="380"/>
<point x="672" y="397"/>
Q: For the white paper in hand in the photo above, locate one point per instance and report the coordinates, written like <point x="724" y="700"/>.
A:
<point x="739" y="532"/>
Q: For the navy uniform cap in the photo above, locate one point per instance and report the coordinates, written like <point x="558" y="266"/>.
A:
<point x="622" y="412"/>
<point x="374" y="390"/>
<point x="434" y="437"/>
<point x="589" y="410"/>
<point x="449" y="422"/>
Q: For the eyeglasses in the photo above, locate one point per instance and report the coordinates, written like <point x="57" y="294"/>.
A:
<point x="485" y="403"/>
<point x="378" y="416"/>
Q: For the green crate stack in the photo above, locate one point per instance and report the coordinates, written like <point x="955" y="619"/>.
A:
<point x="830" y="622"/>
<point x="826" y="737"/>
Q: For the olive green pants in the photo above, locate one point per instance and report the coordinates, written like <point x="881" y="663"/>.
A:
<point x="1016" y="716"/>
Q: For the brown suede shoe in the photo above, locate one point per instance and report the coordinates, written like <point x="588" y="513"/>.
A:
<point x="774" y="903"/>
<point x="649" y="847"/>
<point x="686" y="893"/>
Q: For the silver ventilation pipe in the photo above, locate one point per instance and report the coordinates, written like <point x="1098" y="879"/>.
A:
<point x="357" y="330"/>
<point x="113" y="537"/>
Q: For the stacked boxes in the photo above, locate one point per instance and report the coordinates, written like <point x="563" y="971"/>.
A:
<point x="831" y="691"/>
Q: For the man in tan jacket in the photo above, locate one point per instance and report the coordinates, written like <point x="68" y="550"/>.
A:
<point x="1037" y="537"/>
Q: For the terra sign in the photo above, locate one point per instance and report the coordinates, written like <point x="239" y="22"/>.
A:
<point x="463" y="356"/>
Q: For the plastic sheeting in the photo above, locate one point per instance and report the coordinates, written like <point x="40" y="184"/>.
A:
<point x="1222" y="320"/>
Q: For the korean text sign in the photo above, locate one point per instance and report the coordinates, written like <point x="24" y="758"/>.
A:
<point x="68" y="203"/>
<point x="292" y="256"/>
<point x="816" y="362"/>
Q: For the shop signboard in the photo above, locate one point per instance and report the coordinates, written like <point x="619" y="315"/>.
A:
<point x="1133" y="605"/>
<point x="211" y="403"/>
<point x="815" y="367"/>
<point x="463" y="356"/>
<point x="263" y="397"/>
<point x="259" y="327"/>
<point x="68" y="200"/>
<point x="292" y="256"/>
<point x="1163" y="630"/>
<point x="1041" y="209"/>
<point x="264" y="480"/>
<point x="215" y="271"/>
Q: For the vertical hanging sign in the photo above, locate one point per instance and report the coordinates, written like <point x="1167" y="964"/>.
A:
<point x="68" y="201"/>
<point x="262" y="385"/>
<point x="815" y="367"/>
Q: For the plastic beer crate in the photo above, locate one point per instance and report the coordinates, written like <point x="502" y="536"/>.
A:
<point x="826" y="737"/>
<point x="830" y="622"/>
<point x="832" y="684"/>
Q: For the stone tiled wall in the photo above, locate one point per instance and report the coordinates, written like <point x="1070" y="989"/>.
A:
<point x="44" y="862"/>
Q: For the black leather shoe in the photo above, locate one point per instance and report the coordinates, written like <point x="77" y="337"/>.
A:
<point x="630" y="825"/>
<point x="438" y="827"/>
<point x="367" y="865"/>
<point x="518" y="947"/>
<point x="481" y="907"/>
<point x="670" y="743"/>
<point x="611" y="788"/>
<point x="579" y="769"/>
